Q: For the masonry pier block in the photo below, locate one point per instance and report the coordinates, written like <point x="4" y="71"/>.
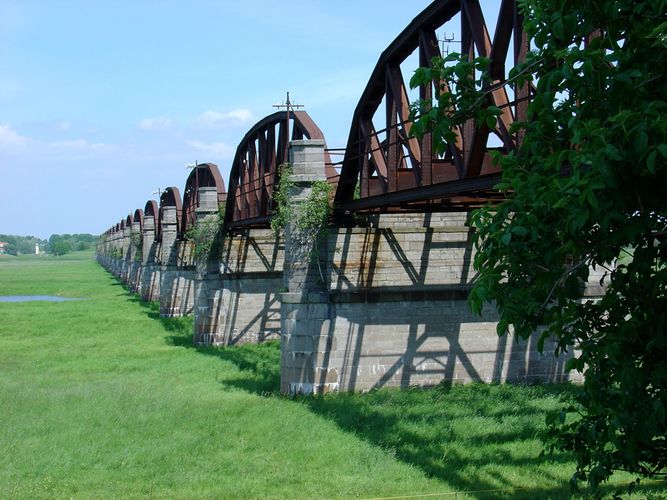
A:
<point x="240" y="302"/>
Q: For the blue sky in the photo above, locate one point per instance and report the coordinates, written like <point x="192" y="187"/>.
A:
<point x="102" y="103"/>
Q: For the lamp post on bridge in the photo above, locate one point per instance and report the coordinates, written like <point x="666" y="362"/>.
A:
<point x="195" y="166"/>
<point x="288" y="105"/>
<point x="158" y="192"/>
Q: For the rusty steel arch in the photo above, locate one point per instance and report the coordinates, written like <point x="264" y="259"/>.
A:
<point x="139" y="217"/>
<point x="203" y="175"/>
<point x="129" y="220"/>
<point x="254" y="173"/>
<point x="396" y="171"/>
<point x="170" y="197"/>
<point x="151" y="210"/>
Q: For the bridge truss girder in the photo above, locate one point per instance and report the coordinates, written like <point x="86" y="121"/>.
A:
<point x="390" y="169"/>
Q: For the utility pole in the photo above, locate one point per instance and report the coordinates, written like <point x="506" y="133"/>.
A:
<point x="444" y="49"/>
<point x="289" y="106"/>
<point x="195" y="165"/>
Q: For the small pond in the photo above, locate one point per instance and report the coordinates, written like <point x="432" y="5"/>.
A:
<point x="28" y="298"/>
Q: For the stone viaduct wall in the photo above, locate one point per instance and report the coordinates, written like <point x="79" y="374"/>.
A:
<point x="380" y="303"/>
<point x="158" y="270"/>
<point x="238" y="300"/>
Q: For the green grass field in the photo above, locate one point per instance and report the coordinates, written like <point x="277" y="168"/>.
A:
<point x="102" y="398"/>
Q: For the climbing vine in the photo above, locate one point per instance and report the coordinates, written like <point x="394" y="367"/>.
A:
<point x="206" y="235"/>
<point x="137" y="243"/>
<point x="313" y="213"/>
<point x="283" y="211"/>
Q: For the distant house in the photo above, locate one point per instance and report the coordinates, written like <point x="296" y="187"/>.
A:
<point x="3" y="247"/>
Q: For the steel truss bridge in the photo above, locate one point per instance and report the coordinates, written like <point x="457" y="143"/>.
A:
<point x="383" y="167"/>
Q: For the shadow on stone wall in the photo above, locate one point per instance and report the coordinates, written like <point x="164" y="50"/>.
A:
<point x="251" y="281"/>
<point x="394" y="312"/>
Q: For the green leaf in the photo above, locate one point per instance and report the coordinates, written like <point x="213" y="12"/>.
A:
<point x="592" y="199"/>
<point x="501" y="327"/>
<point x="506" y="238"/>
<point x="613" y="152"/>
<point x="650" y="161"/>
<point x="559" y="29"/>
<point x="640" y="141"/>
<point x="573" y="364"/>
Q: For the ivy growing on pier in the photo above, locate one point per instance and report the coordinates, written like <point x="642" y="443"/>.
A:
<point x="312" y="215"/>
<point x="207" y="234"/>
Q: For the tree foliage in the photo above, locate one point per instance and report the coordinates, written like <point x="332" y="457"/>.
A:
<point x="60" y="247"/>
<point x="18" y="245"/>
<point x="60" y="244"/>
<point x="586" y="190"/>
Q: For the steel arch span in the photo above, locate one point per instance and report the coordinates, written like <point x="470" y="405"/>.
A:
<point x="254" y="173"/>
<point x="203" y="175"/>
<point x="170" y="197"/>
<point x="151" y="210"/>
<point x="390" y="169"/>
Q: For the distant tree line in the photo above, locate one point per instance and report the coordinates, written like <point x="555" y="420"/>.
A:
<point x="60" y="244"/>
<point x="57" y="244"/>
<point x="19" y="245"/>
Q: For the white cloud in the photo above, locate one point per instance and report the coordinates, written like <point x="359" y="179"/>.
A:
<point x="216" y="149"/>
<point x="10" y="139"/>
<point x="63" y="126"/>
<point x="214" y="118"/>
<point x="244" y="115"/>
<point x="155" y="123"/>
<point x="78" y="145"/>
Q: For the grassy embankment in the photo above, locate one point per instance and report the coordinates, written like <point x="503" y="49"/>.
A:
<point x="102" y="398"/>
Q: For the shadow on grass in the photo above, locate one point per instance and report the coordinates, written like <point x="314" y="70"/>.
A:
<point x="180" y="328"/>
<point x="422" y="427"/>
<point x="473" y="437"/>
<point x="260" y="363"/>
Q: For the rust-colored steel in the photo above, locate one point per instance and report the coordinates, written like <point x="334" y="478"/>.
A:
<point x="151" y="210"/>
<point x="203" y="175"/>
<point x="254" y="172"/>
<point x="170" y="197"/>
<point x="392" y="168"/>
<point x="139" y="217"/>
<point x="129" y="220"/>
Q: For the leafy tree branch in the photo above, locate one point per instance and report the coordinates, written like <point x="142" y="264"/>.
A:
<point x="584" y="190"/>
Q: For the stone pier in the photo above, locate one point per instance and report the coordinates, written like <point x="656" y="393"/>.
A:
<point x="239" y="300"/>
<point x="149" y="283"/>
